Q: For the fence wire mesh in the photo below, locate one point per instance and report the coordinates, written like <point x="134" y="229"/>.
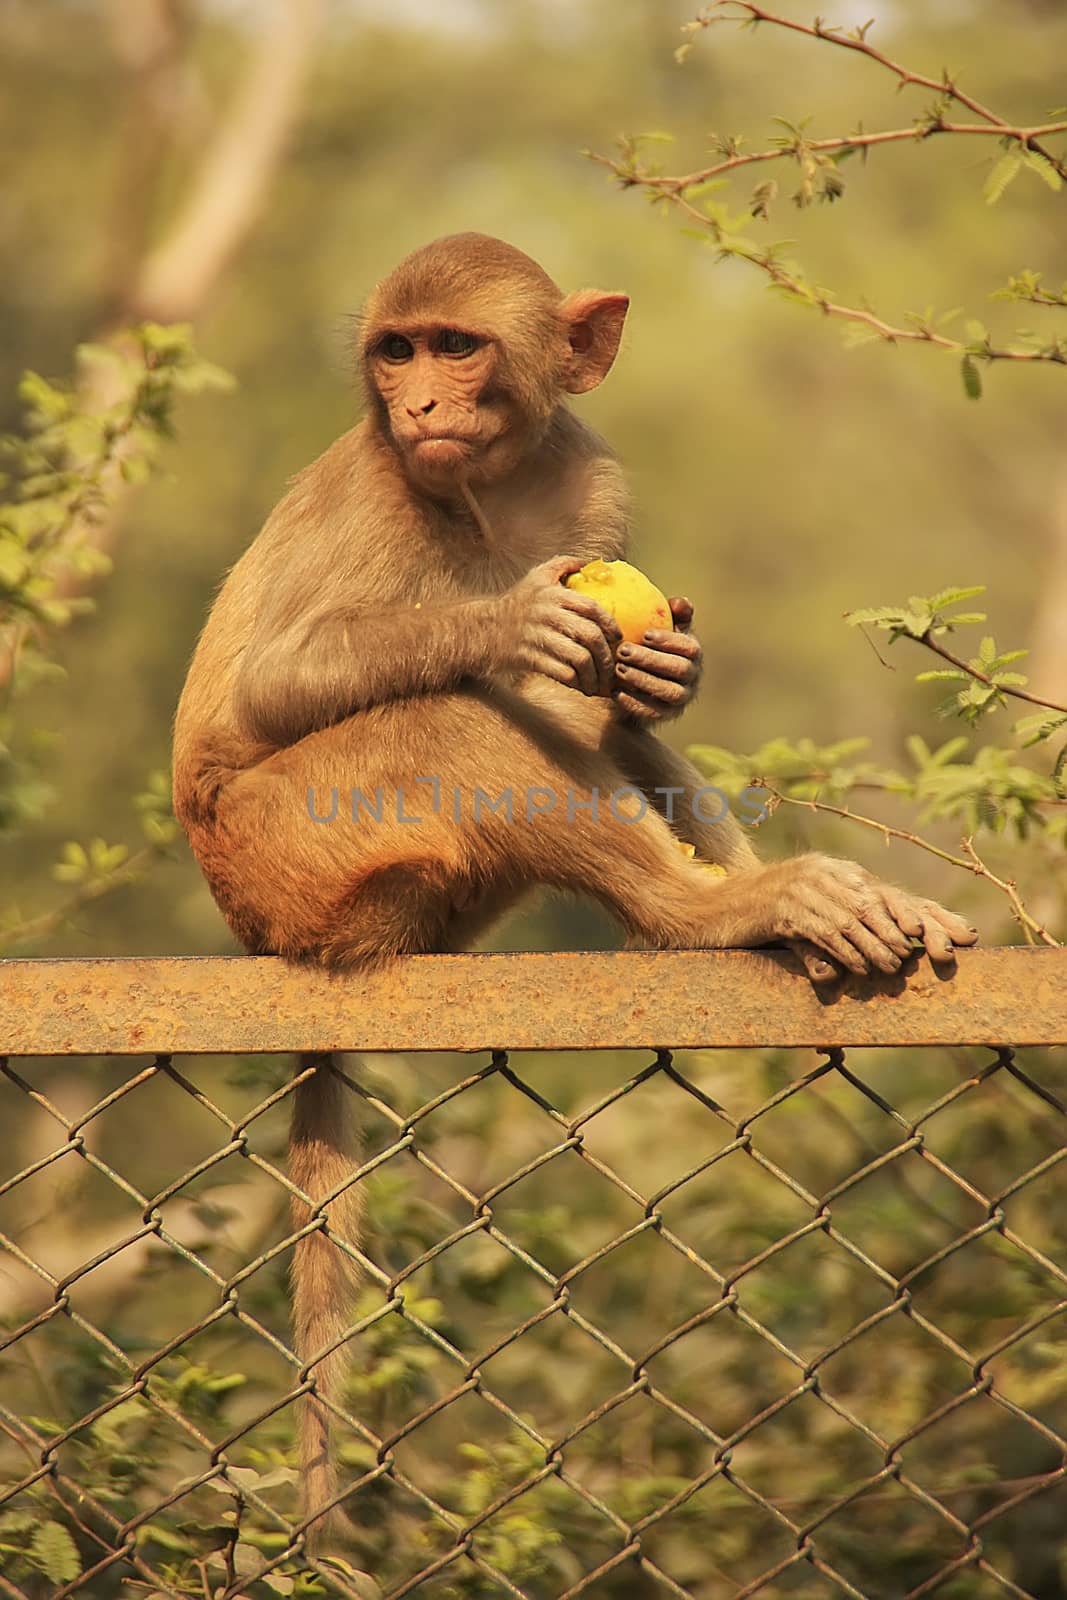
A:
<point x="785" y="1323"/>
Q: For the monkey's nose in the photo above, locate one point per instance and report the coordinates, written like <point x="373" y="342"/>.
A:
<point x="421" y="411"/>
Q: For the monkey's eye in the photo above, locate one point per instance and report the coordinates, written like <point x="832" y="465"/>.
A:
<point x="454" y="342"/>
<point x="394" y="347"/>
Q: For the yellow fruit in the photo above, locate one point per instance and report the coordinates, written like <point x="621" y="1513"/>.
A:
<point x="689" y="851"/>
<point x="631" y="598"/>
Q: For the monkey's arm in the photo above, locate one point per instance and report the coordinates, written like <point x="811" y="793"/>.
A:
<point x="327" y="664"/>
<point x="323" y="667"/>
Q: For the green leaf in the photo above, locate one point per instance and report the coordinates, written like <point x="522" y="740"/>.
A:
<point x="159" y="830"/>
<point x="104" y="857"/>
<point x="952" y="597"/>
<point x="166" y="1538"/>
<point x="14" y="565"/>
<point x="879" y="615"/>
<point x="363" y="1583"/>
<point x="706" y="186"/>
<point x="55" y="1553"/>
<point x="1044" y="168"/>
<point x="1006" y="169"/>
<point x="950" y="750"/>
<point x="108" y="1429"/>
<point x="135" y="470"/>
<point x="1037" y="727"/>
<point x="74" y="865"/>
<point x="856" y="334"/>
<point x="972" y="378"/>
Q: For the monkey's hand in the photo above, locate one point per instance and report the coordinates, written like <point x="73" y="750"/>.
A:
<point x="825" y="907"/>
<point x="565" y="635"/>
<point x="657" y="679"/>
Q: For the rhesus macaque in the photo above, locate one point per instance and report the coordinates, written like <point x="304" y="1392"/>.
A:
<point x="399" y="633"/>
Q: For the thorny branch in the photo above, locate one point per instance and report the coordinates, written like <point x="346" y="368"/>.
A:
<point x="970" y="861"/>
<point x="61" y="916"/>
<point x="860" y="141"/>
<point x="979" y="676"/>
<point x="748" y="13"/>
<point x="680" y="191"/>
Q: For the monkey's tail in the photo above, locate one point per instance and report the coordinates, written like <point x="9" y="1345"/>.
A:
<point x="322" y="1153"/>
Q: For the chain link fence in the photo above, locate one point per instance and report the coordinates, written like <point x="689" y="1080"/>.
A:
<point x="713" y="1322"/>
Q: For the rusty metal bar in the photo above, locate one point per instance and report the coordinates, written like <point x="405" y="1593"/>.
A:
<point x="528" y="1001"/>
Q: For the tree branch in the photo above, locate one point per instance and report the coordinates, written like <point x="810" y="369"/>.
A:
<point x="818" y="159"/>
<point x="783" y="278"/>
<point x="749" y="12"/>
<point x="969" y="862"/>
<point x="856" y="141"/>
<point x="981" y="677"/>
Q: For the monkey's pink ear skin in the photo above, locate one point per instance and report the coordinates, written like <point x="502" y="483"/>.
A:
<point x="594" y="322"/>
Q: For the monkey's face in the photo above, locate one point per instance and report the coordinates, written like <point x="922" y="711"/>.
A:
<point x="447" y="416"/>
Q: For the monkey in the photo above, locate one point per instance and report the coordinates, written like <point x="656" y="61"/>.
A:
<point x="400" y="633"/>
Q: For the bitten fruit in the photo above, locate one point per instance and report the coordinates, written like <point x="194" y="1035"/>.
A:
<point x="631" y="598"/>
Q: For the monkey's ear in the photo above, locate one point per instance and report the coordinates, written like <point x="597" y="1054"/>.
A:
<point x="593" y="321"/>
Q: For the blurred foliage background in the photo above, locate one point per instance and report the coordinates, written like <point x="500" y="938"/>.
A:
<point x="780" y="480"/>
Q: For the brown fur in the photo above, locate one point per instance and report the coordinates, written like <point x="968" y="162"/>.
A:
<point x="390" y="623"/>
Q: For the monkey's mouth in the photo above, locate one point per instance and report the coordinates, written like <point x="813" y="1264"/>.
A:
<point x="431" y="439"/>
<point x="442" y="449"/>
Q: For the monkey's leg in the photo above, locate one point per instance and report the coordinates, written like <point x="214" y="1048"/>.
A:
<point x="458" y="797"/>
<point x="363" y="840"/>
<point x="697" y="812"/>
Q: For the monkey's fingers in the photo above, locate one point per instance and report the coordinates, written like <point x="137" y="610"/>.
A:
<point x="846" y="920"/>
<point x="877" y="916"/>
<point x="667" y="641"/>
<point x="536" y="658"/>
<point x="939" y="930"/>
<point x="575" y="656"/>
<point x="589" y="635"/>
<point x="876" y="955"/>
<point x="681" y="665"/>
<point x="832" y="942"/>
<point x="681" y="611"/>
<point x="642" y="707"/>
<point x="583" y="605"/>
<point x="664" y="693"/>
<point x="557" y="568"/>
<point x="819" y="968"/>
